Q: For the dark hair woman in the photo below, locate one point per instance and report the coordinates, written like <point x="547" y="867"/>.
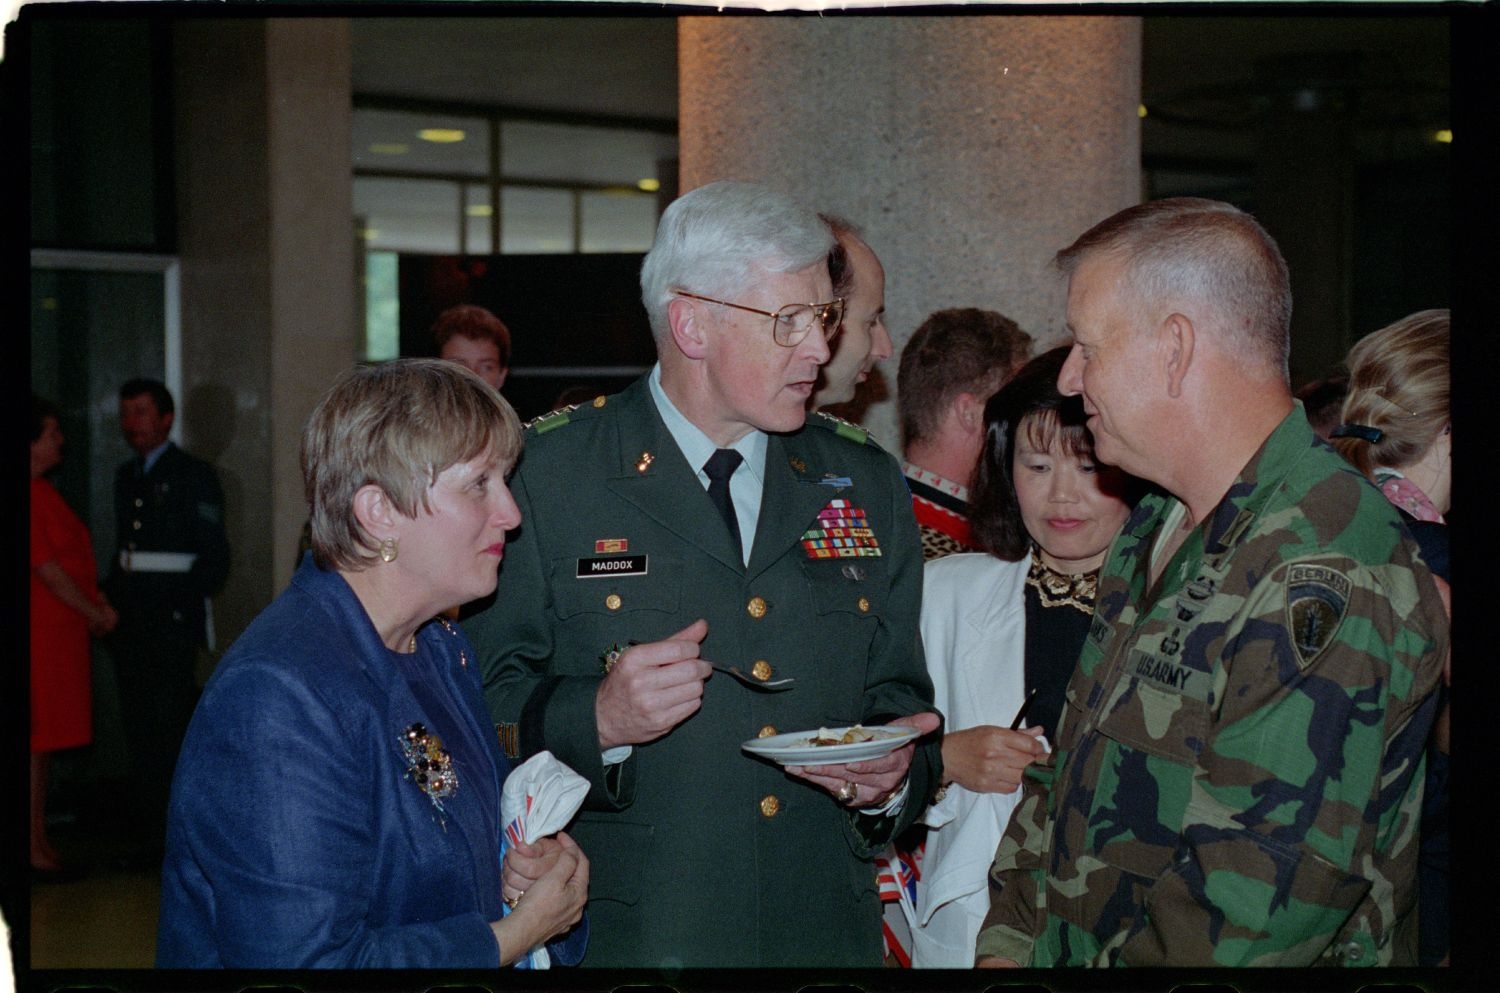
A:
<point x="1003" y="627"/>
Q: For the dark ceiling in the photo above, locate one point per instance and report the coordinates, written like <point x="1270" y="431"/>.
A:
<point x="1204" y="78"/>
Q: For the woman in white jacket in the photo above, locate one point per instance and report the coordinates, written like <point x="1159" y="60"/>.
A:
<point x="1002" y="627"/>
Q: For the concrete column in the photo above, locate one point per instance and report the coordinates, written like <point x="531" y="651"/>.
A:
<point x="969" y="149"/>
<point x="268" y="284"/>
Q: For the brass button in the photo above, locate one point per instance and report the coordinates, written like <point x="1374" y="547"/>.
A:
<point x="599" y="401"/>
<point x="766" y="731"/>
<point x="769" y="806"/>
<point x="613" y="601"/>
<point x="136" y="525"/>
<point x="864" y="605"/>
<point x="756" y="607"/>
<point x="139" y="502"/>
<point x="761" y="670"/>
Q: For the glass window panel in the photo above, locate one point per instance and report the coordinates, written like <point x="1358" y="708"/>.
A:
<point x="408" y="215"/>
<point x="382" y="306"/>
<point x="618" y="221"/>
<point x="575" y="154"/>
<point x="392" y="139"/>
<point x="90" y="331"/>
<point x="477" y="211"/>
<point x="535" y="222"/>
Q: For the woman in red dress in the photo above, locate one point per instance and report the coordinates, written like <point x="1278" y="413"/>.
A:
<point x="66" y="607"/>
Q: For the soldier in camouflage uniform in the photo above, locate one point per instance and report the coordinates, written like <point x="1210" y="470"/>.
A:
<point x="1238" y="776"/>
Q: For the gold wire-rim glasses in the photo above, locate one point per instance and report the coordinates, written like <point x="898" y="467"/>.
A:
<point x="784" y="329"/>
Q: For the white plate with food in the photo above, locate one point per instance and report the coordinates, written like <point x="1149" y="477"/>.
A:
<point x="831" y="746"/>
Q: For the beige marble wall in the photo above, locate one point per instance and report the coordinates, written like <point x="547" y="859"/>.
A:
<point x="969" y="148"/>
<point x="268" y="279"/>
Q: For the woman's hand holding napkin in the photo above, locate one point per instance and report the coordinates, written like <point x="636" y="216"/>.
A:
<point x="540" y="796"/>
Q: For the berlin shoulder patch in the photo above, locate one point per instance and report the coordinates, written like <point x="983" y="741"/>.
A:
<point x="1317" y="598"/>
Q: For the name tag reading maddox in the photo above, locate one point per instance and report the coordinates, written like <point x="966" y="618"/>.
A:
<point x="611" y="565"/>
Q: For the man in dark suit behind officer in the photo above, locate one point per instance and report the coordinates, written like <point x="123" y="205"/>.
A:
<point x="703" y="510"/>
<point x="172" y="554"/>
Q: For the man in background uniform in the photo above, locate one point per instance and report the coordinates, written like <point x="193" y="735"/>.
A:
<point x="951" y="366"/>
<point x="703" y="510"/>
<point x="1238" y="776"/>
<point x="172" y="556"/>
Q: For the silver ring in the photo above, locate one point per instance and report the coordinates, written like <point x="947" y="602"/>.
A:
<point x="848" y="791"/>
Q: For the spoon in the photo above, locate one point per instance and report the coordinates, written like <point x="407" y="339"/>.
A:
<point x="752" y="682"/>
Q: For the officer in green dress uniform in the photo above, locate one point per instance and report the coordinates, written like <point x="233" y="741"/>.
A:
<point x="703" y="515"/>
<point x="172" y="555"/>
<point x="1238" y="776"/>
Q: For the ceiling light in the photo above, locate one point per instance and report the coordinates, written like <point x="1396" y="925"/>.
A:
<point x="443" y="136"/>
<point x="390" y="148"/>
<point x="649" y="185"/>
<point x="1443" y="137"/>
<point x="480" y="210"/>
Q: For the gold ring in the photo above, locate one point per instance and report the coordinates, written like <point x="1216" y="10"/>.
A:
<point x="512" y="901"/>
<point x="848" y="791"/>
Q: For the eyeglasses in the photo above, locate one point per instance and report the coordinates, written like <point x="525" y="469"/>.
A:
<point x="791" y="324"/>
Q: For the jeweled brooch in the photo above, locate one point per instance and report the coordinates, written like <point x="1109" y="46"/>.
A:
<point x="429" y="765"/>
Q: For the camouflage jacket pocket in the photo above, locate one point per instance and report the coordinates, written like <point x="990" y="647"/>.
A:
<point x="1159" y="717"/>
<point x="1232" y="897"/>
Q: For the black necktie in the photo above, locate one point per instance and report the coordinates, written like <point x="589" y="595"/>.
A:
<point x="719" y="467"/>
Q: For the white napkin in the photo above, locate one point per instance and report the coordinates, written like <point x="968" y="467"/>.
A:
<point x="540" y="796"/>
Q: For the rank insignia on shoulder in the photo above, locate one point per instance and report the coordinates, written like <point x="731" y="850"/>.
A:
<point x="845" y="429"/>
<point x="1316" y="600"/>
<point x="553" y="419"/>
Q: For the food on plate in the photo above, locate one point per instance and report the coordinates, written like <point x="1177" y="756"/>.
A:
<point x="849" y="737"/>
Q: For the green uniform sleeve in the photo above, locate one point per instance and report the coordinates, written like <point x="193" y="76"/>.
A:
<point x="1016" y="877"/>
<point x="897" y="684"/>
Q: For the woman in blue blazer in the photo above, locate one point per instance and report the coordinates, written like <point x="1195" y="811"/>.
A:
<point x="337" y="799"/>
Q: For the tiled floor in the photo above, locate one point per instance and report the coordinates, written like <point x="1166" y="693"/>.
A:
<point x="104" y="920"/>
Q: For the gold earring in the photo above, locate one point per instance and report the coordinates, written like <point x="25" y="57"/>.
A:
<point x="388" y="550"/>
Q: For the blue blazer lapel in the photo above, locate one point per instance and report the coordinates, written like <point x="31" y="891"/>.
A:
<point x="402" y="708"/>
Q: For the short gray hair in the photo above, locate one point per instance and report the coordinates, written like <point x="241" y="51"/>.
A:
<point x="1206" y="250"/>
<point x="396" y="425"/>
<point x="709" y="239"/>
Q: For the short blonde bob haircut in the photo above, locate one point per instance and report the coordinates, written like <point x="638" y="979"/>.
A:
<point x="396" y="425"/>
<point x="1398" y="384"/>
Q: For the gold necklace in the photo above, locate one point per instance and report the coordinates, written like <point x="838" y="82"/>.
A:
<point x="1057" y="589"/>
